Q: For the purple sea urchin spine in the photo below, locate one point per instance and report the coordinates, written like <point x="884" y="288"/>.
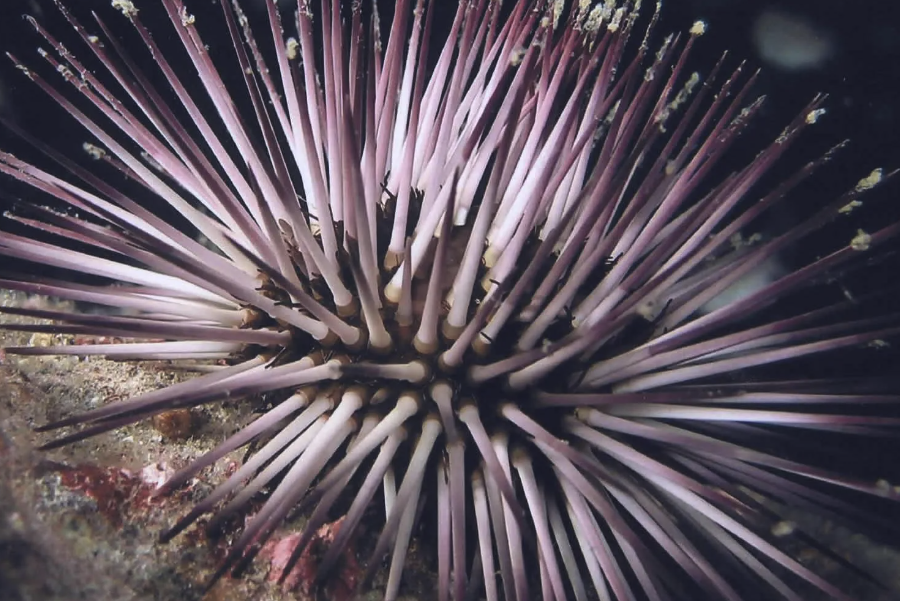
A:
<point x="487" y="275"/>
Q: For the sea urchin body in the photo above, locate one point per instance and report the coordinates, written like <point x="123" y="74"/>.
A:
<point x="476" y="272"/>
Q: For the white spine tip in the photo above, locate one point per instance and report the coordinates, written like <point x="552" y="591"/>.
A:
<point x="392" y="293"/>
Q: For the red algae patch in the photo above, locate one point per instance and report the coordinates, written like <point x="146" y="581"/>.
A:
<point x="304" y="573"/>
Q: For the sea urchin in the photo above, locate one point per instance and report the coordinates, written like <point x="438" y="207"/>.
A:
<point x="472" y="276"/>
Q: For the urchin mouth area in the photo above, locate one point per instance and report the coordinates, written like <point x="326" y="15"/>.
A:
<point x="407" y="363"/>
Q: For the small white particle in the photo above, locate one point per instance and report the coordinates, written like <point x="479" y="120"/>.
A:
<point x="849" y="207"/>
<point x="516" y="56"/>
<point x="292" y="48"/>
<point x="152" y="162"/>
<point x="558" y="7"/>
<point x="813" y="116"/>
<point x="870" y="181"/>
<point x="670" y="167"/>
<point x="156" y="474"/>
<point x="650" y="309"/>
<point x="187" y="19"/>
<point x="15" y="522"/>
<point x="783" y="528"/>
<point x="594" y="20"/>
<point x="616" y="21"/>
<point x="738" y="241"/>
<point x="94" y="151"/>
<point x="861" y="241"/>
<point x="126" y="7"/>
